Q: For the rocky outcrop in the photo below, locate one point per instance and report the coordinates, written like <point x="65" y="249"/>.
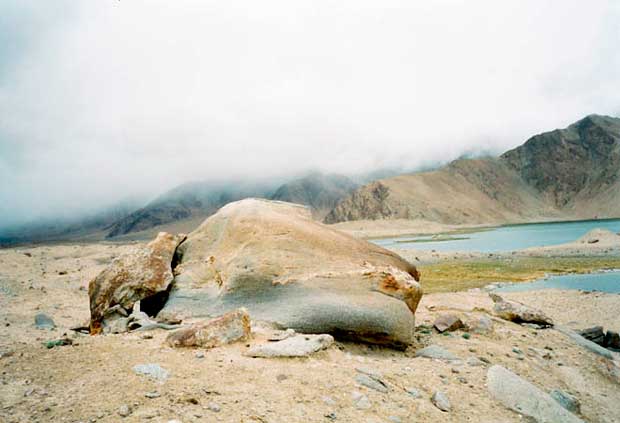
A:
<point x="519" y="313"/>
<point x="572" y="173"/>
<point x="136" y="276"/>
<point x="231" y="327"/>
<point x="294" y="272"/>
<point x="318" y="191"/>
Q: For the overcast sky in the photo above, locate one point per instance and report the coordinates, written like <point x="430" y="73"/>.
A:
<point x="100" y="100"/>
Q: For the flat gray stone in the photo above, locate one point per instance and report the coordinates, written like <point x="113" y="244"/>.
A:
<point x="43" y="321"/>
<point x="566" y="400"/>
<point x="152" y="370"/>
<point x="436" y="352"/>
<point x="295" y="346"/>
<point x="440" y="400"/>
<point x="372" y="383"/>
<point x="581" y="341"/>
<point x="523" y="397"/>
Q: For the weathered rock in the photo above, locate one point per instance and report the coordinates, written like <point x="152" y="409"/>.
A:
<point x="610" y="368"/>
<point x="521" y="396"/>
<point x="287" y="269"/>
<point x="152" y="370"/>
<point x="448" y="322"/>
<point x="519" y="313"/>
<point x="436" y="352"/>
<point x="440" y="400"/>
<point x="595" y="334"/>
<point x="566" y="400"/>
<point x="43" y="321"/>
<point x="581" y="341"/>
<point x="480" y="325"/>
<point x="372" y="382"/>
<point x="124" y="410"/>
<point x="295" y="346"/>
<point x="139" y="275"/>
<point x="612" y="340"/>
<point x="231" y="327"/>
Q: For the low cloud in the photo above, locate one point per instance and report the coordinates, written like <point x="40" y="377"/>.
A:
<point x="107" y="100"/>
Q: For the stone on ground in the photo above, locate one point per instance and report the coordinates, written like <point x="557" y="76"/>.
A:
<point x="566" y="400"/>
<point x="519" y="313"/>
<point x="440" y="400"/>
<point x="448" y="322"/>
<point x="43" y="321"/>
<point x="231" y="327"/>
<point x="436" y="352"/>
<point x="288" y="269"/>
<point x="152" y="370"/>
<point x="523" y="397"/>
<point x="132" y="277"/>
<point x="295" y="346"/>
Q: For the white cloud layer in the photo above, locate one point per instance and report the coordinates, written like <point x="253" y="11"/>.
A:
<point x="104" y="99"/>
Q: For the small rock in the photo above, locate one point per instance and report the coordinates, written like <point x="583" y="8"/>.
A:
<point x="372" y="383"/>
<point x="330" y="416"/>
<point x="436" y="352"/>
<point x="361" y="401"/>
<point x="281" y="335"/>
<point x="481" y="326"/>
<point x="230" y="327"/>
<point x="43" y="321"/>
<point x="395" y="419"/>
<point x="517" y="350"/>
<point x="200" y="354"/>
<point x="296" y="346"/>
<point x="124" y="410"/>
<point x="594" y="334"/>
<point x="612" y="340"/>
<point x="212" y="406"/>
<point x="440" y="400"/>
<point x="475" y="362"/>
<point x="566" y="400"/>
<point x="152" y="395"/>
<point x="448" y="322"/>
<point x="152" y="370"/>
<point x="519" y="313"/>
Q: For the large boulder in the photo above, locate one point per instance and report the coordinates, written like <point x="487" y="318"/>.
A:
<point x="135" y="276"/>
<point x="294" y="272"/>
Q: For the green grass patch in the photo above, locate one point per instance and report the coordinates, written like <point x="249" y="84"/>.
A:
<point x="460" y="275"/>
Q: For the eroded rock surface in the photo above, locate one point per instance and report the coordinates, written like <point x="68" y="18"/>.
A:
<point x="295" y="346"/>
<point x="132" y="277"/>
<point x="523" y="397"/>
<point x="231" y="327"/>
<point x="294" y="272"/>
<point x="519" y="313"/>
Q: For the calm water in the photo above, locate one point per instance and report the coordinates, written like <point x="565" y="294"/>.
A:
<point x="605" y="282"/>
<point x="507" y="238"/>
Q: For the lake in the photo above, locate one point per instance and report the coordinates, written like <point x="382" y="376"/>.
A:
<point x="504" y="238"/>
<point x="605" y="282"/>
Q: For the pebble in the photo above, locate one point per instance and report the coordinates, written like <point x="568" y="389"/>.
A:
<point x="152" y="370"/>
<point x="152" y="395"/>
<point x="566" y="400"/>
<point x="43" y="321"/>
<point x="413" y="392"/>
<point x="200" y="354"/>
<point x="124" y="410"/>
<point x="212" y="406"/>
<point x="369" y="382"/>
<point x="440" y="400"/>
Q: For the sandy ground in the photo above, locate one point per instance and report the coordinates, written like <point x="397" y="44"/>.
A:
<point x="90" y="380"/>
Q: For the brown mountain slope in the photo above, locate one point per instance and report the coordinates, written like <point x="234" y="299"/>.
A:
<point x="564" y="174"/>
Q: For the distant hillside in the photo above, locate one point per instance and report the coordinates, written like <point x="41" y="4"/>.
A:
<point x="201" y="199"/>
<point x="320" y="192"/>
<point x="571" y="173"/>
